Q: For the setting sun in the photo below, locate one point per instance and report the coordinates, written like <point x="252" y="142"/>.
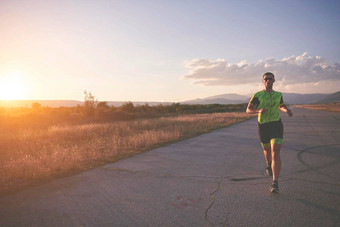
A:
<point x="13" y="86"/>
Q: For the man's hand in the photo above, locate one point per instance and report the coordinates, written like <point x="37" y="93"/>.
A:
<point x="262" y="111"/>
<point x="285" y="109"/>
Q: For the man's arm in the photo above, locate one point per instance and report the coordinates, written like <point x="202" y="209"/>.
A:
<point x="251" y="109"/>
<point x="285" y="109"/>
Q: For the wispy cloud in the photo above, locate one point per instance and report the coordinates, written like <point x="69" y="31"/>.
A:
<point x="289" y="71"/>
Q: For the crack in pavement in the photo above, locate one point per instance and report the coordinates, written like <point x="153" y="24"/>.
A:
<point x="225" y="223"/>
<point x="212" y="196"/>
<point x="231" y="179"/>
<point x="313" y="168"/>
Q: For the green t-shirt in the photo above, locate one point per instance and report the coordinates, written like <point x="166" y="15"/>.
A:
<point x="269" y="101"/>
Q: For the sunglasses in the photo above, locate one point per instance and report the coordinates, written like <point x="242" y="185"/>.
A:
<point x="268" y="79"/>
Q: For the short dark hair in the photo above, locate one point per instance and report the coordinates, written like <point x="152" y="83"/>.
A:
<point x="268" y="74"/>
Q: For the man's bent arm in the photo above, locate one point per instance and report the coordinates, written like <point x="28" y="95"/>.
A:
<point x="285" y="109"/>
<point x="251" y="109"/>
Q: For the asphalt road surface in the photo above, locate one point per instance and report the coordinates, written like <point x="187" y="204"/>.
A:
<point x="216" y="179"/>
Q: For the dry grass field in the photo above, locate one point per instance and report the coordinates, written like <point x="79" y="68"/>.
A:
<point x="31" y="156"/>
<point x="332" y="107"/>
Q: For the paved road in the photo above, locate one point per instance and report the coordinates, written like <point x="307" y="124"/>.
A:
<point x="216" y="179"/>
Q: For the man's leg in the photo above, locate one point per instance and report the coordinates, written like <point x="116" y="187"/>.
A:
<point x="267" y="151"/>
<point x="265" y="135"/>
<point x="268" y="156"/>
<point x="276" y="144"/>
<point x="276" y="161"/>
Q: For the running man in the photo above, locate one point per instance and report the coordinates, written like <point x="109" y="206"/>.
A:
<point x="267" y="104"/>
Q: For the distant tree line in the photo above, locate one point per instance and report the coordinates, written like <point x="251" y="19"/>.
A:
<point x="93" y="108"/>
<point x="95" y="111"/>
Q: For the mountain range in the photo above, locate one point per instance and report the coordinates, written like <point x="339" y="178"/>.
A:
<point x="289" y="98"/>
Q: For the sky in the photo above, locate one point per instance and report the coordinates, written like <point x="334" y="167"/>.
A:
<point x="166" y="50"/>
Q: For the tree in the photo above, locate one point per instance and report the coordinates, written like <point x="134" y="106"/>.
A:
<point x="102" y="107"/>
<point x="36" y="105"/>
<point x="128" y="107"/>
<point x="90" y="104"/>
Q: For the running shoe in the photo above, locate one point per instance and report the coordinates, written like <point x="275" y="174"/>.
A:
<point x="269" y="170"/>
<point x="274" y="188"/>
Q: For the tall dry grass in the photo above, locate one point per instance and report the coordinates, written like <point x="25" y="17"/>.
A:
<point x="330" y="107"/>
<point x="31" y="155"/>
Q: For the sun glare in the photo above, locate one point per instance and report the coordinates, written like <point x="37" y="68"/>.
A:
<point x="13" y="86"/>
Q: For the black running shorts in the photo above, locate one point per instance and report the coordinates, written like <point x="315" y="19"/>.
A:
<point x="271" y="132"/>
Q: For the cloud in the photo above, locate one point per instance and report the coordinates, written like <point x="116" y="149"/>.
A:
<point x="289" y="71"/>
